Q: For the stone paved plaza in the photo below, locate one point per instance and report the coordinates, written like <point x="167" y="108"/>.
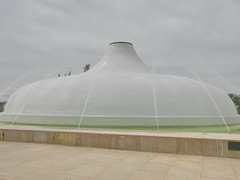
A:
<point x="31" y="161"/>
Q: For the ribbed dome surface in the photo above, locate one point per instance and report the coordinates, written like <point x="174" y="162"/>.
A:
<point x="120" y="85"/>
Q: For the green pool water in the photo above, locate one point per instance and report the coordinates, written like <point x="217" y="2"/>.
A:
<point x="235" y="129"/>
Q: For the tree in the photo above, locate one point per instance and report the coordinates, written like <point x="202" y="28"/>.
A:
<point x="236" y="100"/>
<point x="87" y="67"/>
<point x="2" y="104"/>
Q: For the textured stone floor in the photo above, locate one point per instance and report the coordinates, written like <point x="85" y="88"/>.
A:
<point x="28" y="161"/>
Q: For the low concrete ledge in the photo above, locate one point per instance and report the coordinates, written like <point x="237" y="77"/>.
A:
<point x="217" y="145"/>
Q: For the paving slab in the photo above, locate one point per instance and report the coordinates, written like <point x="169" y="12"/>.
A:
<point x="23" y="161"/>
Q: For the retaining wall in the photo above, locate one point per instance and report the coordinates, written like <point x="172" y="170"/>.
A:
<point x="217" y="145"/>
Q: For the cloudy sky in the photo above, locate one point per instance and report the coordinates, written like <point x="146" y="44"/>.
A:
<point x="192" y="38"/>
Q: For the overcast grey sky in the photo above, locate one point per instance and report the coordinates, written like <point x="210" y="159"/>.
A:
<point x="41" y="38"/>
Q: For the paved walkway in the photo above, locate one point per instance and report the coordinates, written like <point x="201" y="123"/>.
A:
<point x="28" y="161"/>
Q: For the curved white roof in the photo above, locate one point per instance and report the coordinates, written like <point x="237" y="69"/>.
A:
<point x="121" y="85"/>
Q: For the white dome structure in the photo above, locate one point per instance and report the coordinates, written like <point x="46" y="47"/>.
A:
<point x="120" y="91"/>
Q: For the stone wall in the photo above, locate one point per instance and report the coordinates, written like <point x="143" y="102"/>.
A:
<point x="176" y="143"/>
